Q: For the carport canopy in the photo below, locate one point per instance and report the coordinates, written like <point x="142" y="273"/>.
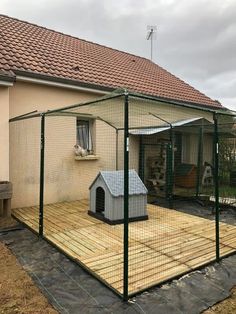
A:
<point x="167" y="126"/>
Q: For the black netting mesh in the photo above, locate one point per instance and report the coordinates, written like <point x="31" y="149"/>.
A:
<point x="173" y="180"/>
<point x="227" y="183"/>
<point x="25" y="169"/>
<point x="75" y="187"/>
<point x="175" y="149"/>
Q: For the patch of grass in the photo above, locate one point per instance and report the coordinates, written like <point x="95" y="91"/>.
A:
<point x="224" y="191"/>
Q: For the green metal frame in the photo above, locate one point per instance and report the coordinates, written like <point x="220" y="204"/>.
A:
<point x="170" y="172"/>
<point x="85" y="103"/>
<point x="184" y="105"/>
<point x="126" y="96"/>
<point x="126" y="199"/>
<point x="199" y="161"/>
<point x="117" y="145"/>
<point x="216" y="172"/>
<point x="23" y="116"/>
<point x="42" y="160"/>
<point x="141" y="158"/>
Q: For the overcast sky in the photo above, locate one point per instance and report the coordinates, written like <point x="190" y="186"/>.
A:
<point x="196" y="39"/>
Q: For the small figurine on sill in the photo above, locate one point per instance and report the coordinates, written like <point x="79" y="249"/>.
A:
<point x="79" y="151"/>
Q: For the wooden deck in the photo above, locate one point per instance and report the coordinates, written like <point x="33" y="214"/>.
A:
<point x="170" y="243"/>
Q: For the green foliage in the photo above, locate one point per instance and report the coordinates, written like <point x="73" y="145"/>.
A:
<point x="227" y="159"/>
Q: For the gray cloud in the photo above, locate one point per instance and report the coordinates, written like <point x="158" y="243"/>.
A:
<point x="195" y="39"/>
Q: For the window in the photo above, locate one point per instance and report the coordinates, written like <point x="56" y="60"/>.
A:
<point x="84" y="138"/>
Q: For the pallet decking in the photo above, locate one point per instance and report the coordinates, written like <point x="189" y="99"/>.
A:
<point x="169" y="244"/>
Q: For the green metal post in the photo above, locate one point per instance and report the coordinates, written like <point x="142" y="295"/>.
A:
<point x="41" y="191"/>
<point x="199" y="161"/>
<point x="141" y="158"/>
<point x="126" y="199"/>
<point x="216" y="173"/>
<point x="169" y="172"/>
<point x="117" y="134"/>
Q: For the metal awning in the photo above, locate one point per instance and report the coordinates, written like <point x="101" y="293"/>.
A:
<point x="166" y="127"/>
<point x="148" y="131"/>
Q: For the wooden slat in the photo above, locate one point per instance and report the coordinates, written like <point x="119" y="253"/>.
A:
<point x="168" y="244"/>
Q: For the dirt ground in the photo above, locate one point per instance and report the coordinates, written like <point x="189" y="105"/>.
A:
<point x="228" y="306"/>
<point x="18" y="294"/>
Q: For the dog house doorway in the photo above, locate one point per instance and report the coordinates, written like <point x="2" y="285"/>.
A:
<point x="100" y="200"/>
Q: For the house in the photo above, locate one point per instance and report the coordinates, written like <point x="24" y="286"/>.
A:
<point x="41" y="69"/>
<point x="107" y="197"/>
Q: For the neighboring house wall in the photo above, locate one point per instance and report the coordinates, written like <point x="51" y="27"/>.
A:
<point x="4" y="133"/>
<point x="208" y="149"/>
<point x="190" y="146"/>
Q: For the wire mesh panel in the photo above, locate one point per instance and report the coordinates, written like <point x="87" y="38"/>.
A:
<point x="25" y="168"/>
<point x="227" y="183"/>
<point x="84" y="192"/>
<point x="194" y="182"/>
<point x="153" y="167"/>
<point x="137" y="190"/>
<point x="176" y="164"/>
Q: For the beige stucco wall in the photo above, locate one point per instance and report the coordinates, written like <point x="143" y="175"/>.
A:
<point x="24" y="161"/>
<point x="26" y="97"/>
<point x="4" y="133"/>
<point x="65" y="177"/>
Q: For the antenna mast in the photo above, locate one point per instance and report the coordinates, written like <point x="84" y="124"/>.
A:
<point x="151" y="35"/>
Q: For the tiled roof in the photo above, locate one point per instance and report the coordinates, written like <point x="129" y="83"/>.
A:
<point x="30" y="48"/>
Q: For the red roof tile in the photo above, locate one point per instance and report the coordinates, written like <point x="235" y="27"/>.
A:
<point x="31" y="48"/>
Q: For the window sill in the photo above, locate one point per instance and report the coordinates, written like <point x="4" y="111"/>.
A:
<point x="88" y="157"/>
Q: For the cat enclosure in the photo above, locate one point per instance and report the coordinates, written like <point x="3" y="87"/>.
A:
<point x="134" y="157"/>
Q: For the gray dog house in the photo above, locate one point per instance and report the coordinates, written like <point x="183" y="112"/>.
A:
<point x="107" y="197"/>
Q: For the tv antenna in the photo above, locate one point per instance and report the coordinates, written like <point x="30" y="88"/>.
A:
<point x="151" y="35"/>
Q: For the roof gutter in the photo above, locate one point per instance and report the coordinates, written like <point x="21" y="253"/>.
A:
<point x="6" y="83"/>
<point x="59" y="82"/>
<point x="6" y="80"/>
<point x="48" y="80"/>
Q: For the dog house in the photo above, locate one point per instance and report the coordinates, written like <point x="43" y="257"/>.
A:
<point x="186" y="175"/>
<point x="107" y="197"/>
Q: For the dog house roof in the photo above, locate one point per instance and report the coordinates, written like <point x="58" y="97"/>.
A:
<point x="114" y="181"/>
